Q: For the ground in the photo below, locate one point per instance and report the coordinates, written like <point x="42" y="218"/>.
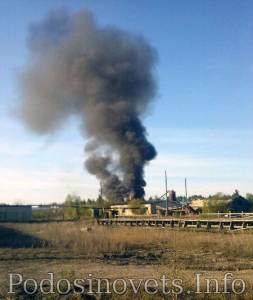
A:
<point x="76" y="249"/>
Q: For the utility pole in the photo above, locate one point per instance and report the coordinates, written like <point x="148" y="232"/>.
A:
<point x="186" y="192"/>
<point x="101" y="190"/>
<point x="166" y="192"/>
<point x="101" y="198"/>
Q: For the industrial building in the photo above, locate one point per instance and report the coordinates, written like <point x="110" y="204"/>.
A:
<point x="15" y="213"/>
<point x="129" y="211"/>
<point x="198" y="203"/>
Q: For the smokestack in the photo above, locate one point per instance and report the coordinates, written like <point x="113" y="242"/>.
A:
<point x="102" y="75"/>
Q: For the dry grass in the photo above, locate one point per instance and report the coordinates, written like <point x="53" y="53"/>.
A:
<point x="128" y="252"/>
<point x="74" y="236"/>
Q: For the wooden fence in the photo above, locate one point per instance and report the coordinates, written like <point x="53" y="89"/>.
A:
<point x="179" y="223"/>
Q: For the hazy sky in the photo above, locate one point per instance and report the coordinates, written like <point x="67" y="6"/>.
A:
<point x="201" y="122"/>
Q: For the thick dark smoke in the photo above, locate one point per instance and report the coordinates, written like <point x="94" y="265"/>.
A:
<point x="103" y="75"/>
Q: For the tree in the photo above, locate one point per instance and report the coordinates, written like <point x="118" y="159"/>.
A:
<point x="137" y="205"/>
<point x="215" y="206"/>
<point x="220" y="196"/>
<point x="239" y="203"/>
<point x="249" y="197"/>
<point x="75" y="208"/>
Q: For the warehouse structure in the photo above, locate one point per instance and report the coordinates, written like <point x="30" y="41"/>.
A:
<point x="15" y="213"/>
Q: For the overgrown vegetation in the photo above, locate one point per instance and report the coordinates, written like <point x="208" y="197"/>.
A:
<point x="92" y="240"/>
<point x="225" y="203"/>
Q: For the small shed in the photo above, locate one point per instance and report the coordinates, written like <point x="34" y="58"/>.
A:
<point x="15" y="213"/>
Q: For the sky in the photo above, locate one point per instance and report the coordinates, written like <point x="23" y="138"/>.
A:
<point x="200" y="121"/>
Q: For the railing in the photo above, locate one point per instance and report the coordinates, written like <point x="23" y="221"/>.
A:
<point x="229" y="215"/>
<point x="180" y="223"/>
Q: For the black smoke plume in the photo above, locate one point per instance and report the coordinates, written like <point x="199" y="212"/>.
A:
<point x="101" y="74"/>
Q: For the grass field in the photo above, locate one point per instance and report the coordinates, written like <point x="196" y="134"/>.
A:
<point x="75" y="249"/>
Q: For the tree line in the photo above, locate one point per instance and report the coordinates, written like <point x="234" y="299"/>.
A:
<point x="76" y="208"/>
<point x="234" y="203"/>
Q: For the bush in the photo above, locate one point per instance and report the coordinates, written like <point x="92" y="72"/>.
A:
<point x="215" y="206"/>
<point x="138" y="206"/>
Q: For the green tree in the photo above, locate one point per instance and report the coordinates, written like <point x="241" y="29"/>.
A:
<point x="239" y="203"/>
<point x="220" y="196"/>
<point x="215" y="206"/>
<point x="75" y="208"/>
<point x="249" y="197"/>
<point x="137" y="205"/>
